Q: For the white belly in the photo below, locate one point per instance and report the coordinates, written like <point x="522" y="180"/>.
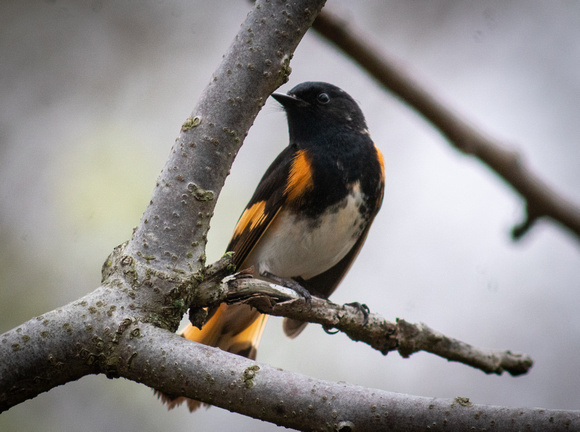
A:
<point x="295" y="246"/>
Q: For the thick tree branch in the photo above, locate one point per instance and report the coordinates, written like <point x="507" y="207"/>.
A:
<point x="541" y="199"/>
<point x="63" y="345"/>
<point x="255" y="65"/>
<point x="171" y="238"/>
<point x="297" y="401"/>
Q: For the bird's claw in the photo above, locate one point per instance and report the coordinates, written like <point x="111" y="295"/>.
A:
<point x="330" y="330"/>
<point x="362" y="308"/>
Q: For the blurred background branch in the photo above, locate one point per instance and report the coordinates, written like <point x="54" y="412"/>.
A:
<point x="541" y="199"/>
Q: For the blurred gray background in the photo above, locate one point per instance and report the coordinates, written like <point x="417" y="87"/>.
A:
<point x="93" y="94"/>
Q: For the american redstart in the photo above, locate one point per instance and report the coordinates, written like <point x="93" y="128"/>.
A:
<point x="309" y="215"/>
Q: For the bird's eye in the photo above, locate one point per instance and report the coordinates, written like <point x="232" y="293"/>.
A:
<point x="323" y="98"/>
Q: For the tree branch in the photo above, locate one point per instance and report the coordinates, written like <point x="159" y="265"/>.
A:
<point x="541" y="199"/>
<point x="384" y="336"/>
<point x="256" y="64"/>
<point x="297" y="401"/>
<point x="63" y="345"/>
<point x="145" y="353"/>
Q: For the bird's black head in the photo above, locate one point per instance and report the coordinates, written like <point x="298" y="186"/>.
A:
<point x="317" y="107"/>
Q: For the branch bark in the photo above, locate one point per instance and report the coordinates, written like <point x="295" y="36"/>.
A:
<point x="296" y="401"/>
<point x="541" y="199"/>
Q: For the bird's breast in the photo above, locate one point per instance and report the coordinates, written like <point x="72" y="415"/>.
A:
<point x="296" y="245"/>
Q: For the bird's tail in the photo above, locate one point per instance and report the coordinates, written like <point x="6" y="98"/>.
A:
<point x="233" y="328"/>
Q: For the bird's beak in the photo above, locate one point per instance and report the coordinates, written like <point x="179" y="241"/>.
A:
<point x="287" y="101"/>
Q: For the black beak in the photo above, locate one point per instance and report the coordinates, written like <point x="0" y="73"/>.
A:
<point x="287" y="101"/>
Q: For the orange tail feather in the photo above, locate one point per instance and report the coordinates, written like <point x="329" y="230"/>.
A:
<point x="236" y="329"/>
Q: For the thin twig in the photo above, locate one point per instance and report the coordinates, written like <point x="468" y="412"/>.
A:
<point x="541" y="199"/>
<point x="374" y="330"/>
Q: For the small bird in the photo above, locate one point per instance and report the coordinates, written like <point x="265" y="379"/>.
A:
<point x="309" y="216"/>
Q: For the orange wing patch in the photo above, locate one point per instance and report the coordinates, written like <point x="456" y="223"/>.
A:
<point x="251" y="218"/>
<point x="300" y="177"/>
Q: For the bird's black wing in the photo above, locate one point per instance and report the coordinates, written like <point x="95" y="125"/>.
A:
<point x="262" y="208"/>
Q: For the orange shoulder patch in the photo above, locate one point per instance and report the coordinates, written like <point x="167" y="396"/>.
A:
<point x="251" y="217"/>
<point x="381" y="162"/>
<point x="300" y="177"/>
